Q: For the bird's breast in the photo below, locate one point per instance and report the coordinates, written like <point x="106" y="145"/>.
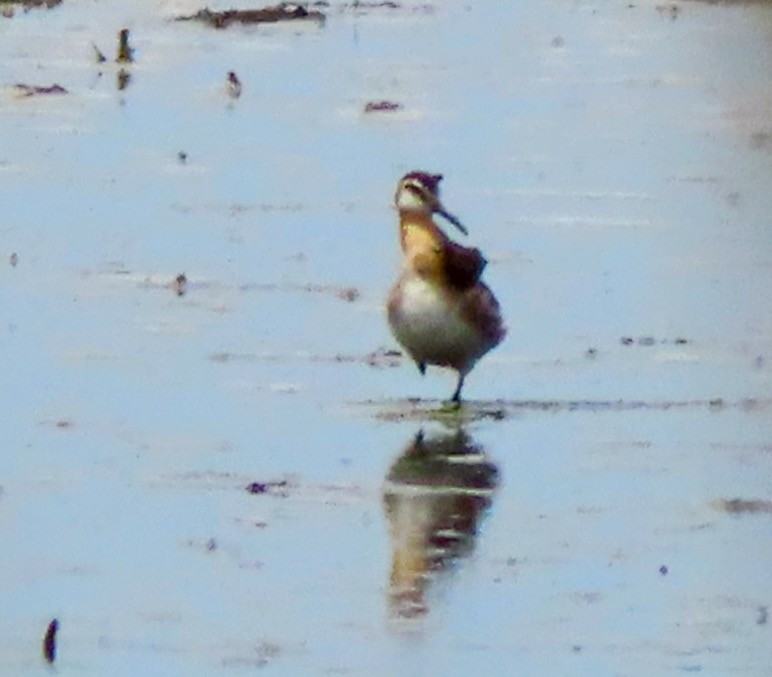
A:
<point x="425" y="319"/>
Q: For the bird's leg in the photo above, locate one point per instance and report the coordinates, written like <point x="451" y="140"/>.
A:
<point x="457" y="395"/>
<point x="421" y="367"/>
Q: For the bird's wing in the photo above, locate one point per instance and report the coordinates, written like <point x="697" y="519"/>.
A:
<point x="463" y="265"/>
<point x="481" y="309"/>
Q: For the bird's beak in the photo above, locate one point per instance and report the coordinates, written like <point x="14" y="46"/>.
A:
<point x="449" y="217"/>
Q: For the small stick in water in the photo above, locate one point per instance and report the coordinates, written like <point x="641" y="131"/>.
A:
<point x="49" y="642"/>
<point x="125" y="53"/>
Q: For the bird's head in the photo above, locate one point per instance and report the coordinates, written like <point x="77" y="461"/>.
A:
<point x="419" y="191"/>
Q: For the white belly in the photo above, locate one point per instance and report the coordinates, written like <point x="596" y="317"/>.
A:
<point x="430" y="328"/>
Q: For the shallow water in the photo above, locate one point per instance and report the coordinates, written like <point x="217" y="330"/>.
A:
<point x="613" y="162"/>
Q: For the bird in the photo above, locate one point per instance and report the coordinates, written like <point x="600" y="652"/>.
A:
<point x="439" y="309"/>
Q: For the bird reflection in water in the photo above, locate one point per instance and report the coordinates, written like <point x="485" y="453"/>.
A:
<point x="435" y="496"/>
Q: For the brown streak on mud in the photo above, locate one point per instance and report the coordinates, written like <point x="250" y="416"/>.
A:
<point x="743" y="506"/>
<point x="281" y="12"/>
<point x="23" y="90"/>
<point x="29" y="4"/>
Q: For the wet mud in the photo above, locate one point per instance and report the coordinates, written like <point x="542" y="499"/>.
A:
<point x="282" y="12"/>
<point x="10" y="5"/>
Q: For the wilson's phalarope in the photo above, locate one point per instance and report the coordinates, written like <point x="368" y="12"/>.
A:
<point x="439" y="309"/>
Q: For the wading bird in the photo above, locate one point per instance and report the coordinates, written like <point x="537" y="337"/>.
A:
<point x="439" y="310"/>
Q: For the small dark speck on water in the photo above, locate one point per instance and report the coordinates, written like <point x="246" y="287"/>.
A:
<point x="180" y="284"/>
<point x="13" y="259"/>
<point x="349" y="294"/>
<point x="663" y="570"/>
<point x="626" y="341"/>
<point x="646" y="341"/>
<point x="558" y="41"/>
<point x="49" y="641"/>
<point x="98" y="55"/>
<point x="739" y="506"/>
<point x="233" y="85"/>
<point x="182" y="157"/>
<point x="266" y="487"/>
<point x="123" y="79"/>
<point x="762" y="616"/>
<point x="591" y="353"/>
<point x="211" y="545"/>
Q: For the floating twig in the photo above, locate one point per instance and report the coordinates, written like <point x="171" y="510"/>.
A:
<point x="49" y="641"/>
<point x="125" y="52"/>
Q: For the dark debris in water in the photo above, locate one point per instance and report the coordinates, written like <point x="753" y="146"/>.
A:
<point x="99" y="57"/>
<point x="743" y="506"/>
<point x="49" y="641"/>
<point x="349" y="294"/>
<point x="367" y="5"/>
<point x="122" y="79"/>
<point x="263" y="654"/>
<point x="670" y="10"/>
<point x="273" y="488"/>
<point x="61" y="424"/>
<point x="382" y="106"/>
<point x="384" y="357"/>
<point x="25" y="90"/>
<point x="648" y="341"/>
<point x="26" y="5"/>
<point x="125" y="52"/>
<point x="233" y="85"/>
<point x="180" y="284"/>
<point x="286" y="11"/>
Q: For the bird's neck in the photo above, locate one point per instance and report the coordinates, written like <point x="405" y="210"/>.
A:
<point x="423" y="245"/>
<point x="417" y="230"/>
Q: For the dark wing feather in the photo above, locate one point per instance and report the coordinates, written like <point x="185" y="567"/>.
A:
<point x="463" y="265"/>
<point x="481" y="309"/>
